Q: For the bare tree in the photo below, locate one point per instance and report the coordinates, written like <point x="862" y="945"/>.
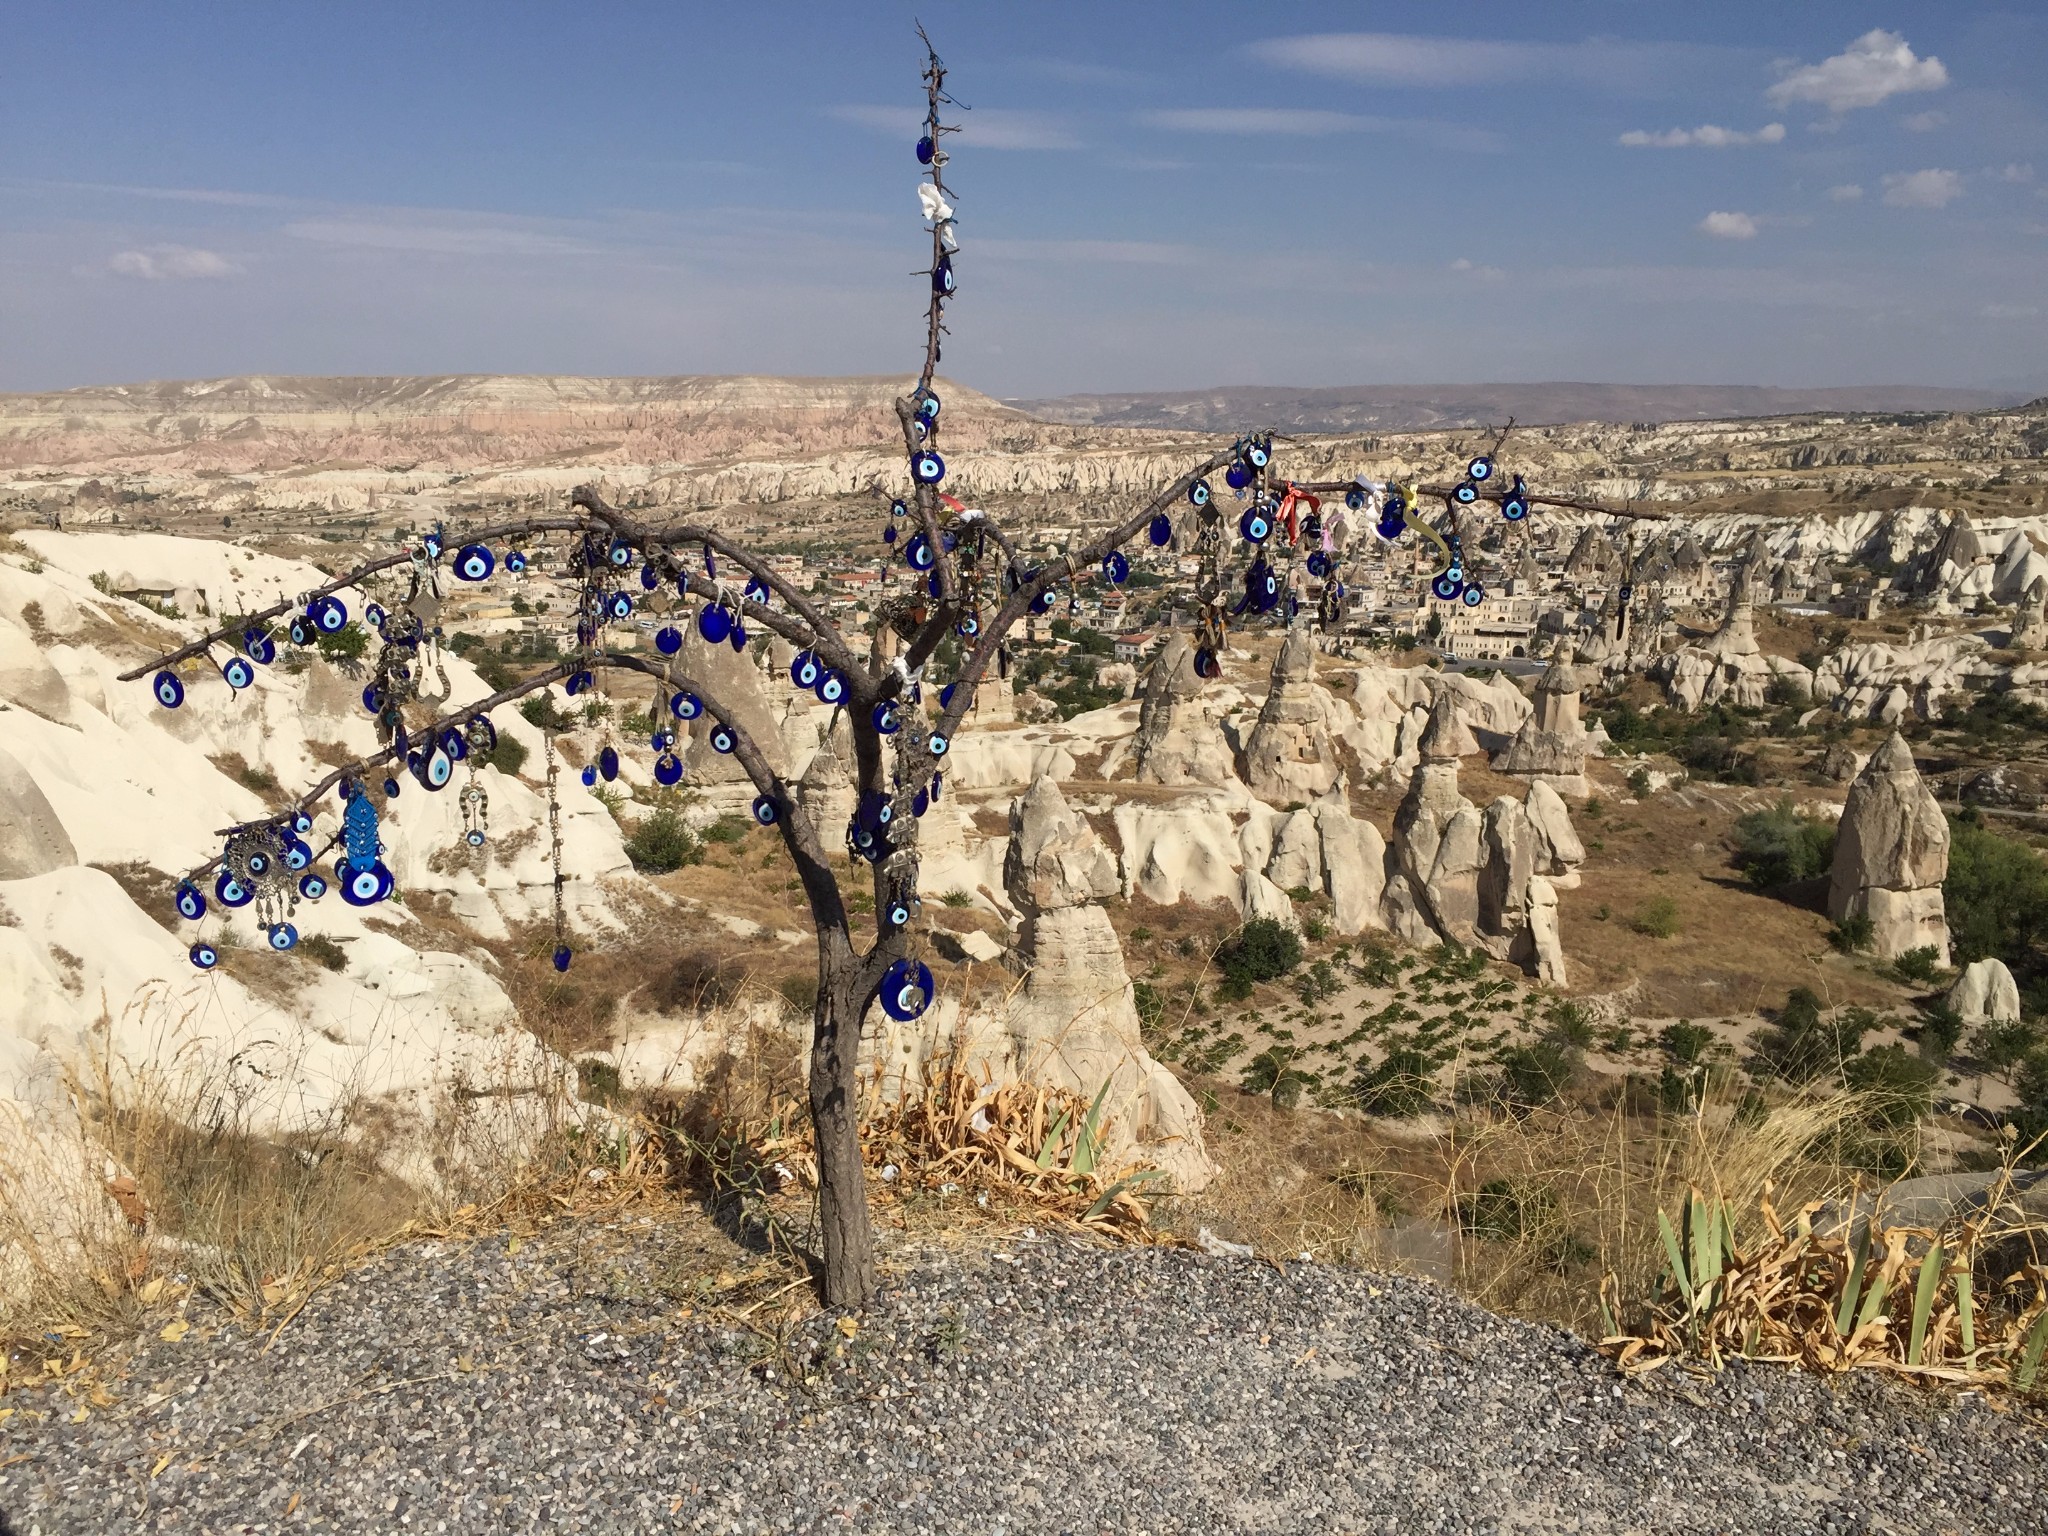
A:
<point x="967" y="580"/>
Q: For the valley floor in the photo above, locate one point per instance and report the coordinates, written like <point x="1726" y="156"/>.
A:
<point x="1030" y="1385"/>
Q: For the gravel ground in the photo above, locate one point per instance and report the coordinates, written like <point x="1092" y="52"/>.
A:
<point x="1038" y="1387"/>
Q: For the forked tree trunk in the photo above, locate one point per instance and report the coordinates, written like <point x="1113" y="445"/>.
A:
<point x="835" y="1122"/>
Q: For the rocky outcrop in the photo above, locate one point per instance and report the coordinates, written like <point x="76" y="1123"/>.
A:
<point x="2030" y="626"/>
<point x="1729" y="666"/>
<point x="1289" y="754"/>
<point x="1178" y="743"/>
<point x="1551" y="746"/>
<point x="1985" y="991"/>
<point x="1074" y="1024"/>
<point x="32" y="840"/>
<point x="1891" y="855"/>
<point x="1531" y="852"/>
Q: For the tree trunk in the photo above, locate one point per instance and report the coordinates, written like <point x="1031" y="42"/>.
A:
<point x="835" y="1122"/>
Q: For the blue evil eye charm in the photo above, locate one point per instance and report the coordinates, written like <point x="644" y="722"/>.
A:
<point x="668" y="769"/>
<point x="1198" y="494"/>
<point x="757" y="592"/>
<point x="302" y="630"/>
<point x="928" y="468"/>
<point x="620" y="554"/>
<point x="579" y="682"/>
<point x="685" y="706"/>
<point x="619" y="605"/>
<point x="238" y="672"/>
<point x="648" y="580"/>
<point x="1206" y="664"/>
<point x="259" y="647"/>
<point x="204" y="955"/>
<point x="329" y="615"/>
<point x="1392" y="527"/>
<point x="885" y="718"/>
<point x="805" y="671"/>
<point x="191" y="905"/>
<point x="455" y="744"/>
<point x="889" y="534"/>
<point x="230" y="892"/>
<point x="297" y="855"/>
<point x="432" y="545"/>
<point x="374" y="616"/>
<point x="168" y="690"/>
<point x="589" y="776"/>
<point x="942" y="276"/>
<point x="301" y="823"/>
<point x="938" y="786"/>
<point x="391" y="789"/>
<point x="1447" y="588"/>
<point x="1515" y="505"/>
<point x="259" y="863"/>
<point x="473" y="562"/>
<point x="562" y="957"/>
<point x="946" y="695"/>
<point x="1475" y="594"/>
<point x="898" y="914"/>
<point x="312" y="885"/>
<point x="927" y="406"/>
<point x="282" y="936"/>
<point x="766" y="811"/>
<point x="924" y="150"/>
<point x="1238" y="476"/>
<point x="437" y="769"/>
<point x="906" y="990"/>
<point x="1042" y="603"/>
<point x="1466" y="493"/>
<point x="937" y="744"/>
<point x="920" y="803"/>
<point x="919" y="553"/>
<point x="832" y="688"/>
<point x="515" y="561"/>
<point x="608" y="763"/>
<point x="969" y="625"/>
<point x="1161" y="531"/>
<point x="1116" y="568"/>
<point x="714" y="624"/>
<point x="359" y="884"/>
<point x="1319" y="564"/>
<point x="723" y="740"/>
<point x="668" y="640"/>
<point x="1255" y="526"/>
<point x="1480" y="468"/>
<point x="1257" y="455"/>
<point x="738" y="638"/>
<point x="1355" y="500"/>
<point x="474" y="837"/>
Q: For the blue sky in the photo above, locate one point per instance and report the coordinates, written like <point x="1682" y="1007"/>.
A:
<point x="1151" y="196"/>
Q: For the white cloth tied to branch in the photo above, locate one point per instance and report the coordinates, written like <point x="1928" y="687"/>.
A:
<point x="936" y="208"/>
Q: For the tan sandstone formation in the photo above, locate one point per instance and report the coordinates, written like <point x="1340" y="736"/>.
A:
<point x="1985" y="991"/>
<point x="1729" y="666"/>
<point x="1177" y="741"/>
<point x="1551" y="746"/>
<point x="1289" y="754"/>
<point x="1074" y="1023"/>
<point x="2030" y="628"/>
<point x="1891" y="855"/>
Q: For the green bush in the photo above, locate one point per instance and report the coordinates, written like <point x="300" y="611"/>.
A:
<point x="1996" y="897"/>
<point x="1401" y="1086"/>
<point x="1902" y="1083"/>
<point x="322" y="951"/>
<point x="2003" y="1044"/>
<point x="729" y="828"/>
<point x="1854" y="934"/>
<point x="1532" y="1075"/>
<point x="1686" y="1042"/>
<point x="1918" y="964"/>
<point x="508" y="756"/>
<point x="1657" y="917"/>
<point x="1265" y="949"/>
<point x="1775" y="847"/>
<point x="349" y="643"/>
<point x="1808" y="1042"/>
<point x="663" y="842"/>
<point x="542" y="712"/>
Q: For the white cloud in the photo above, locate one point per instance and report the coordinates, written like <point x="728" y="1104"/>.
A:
<point x="1729" y="226"/>
<point x="1466" y="264"/>
<point x="444" y="234"/>
<point x="2015" y="173"/>
<point x="1706" y="136"/>
<point x="988" y="128"/>
<point x="171" y="263"/>
<point x="1922" y="189"/>
<point x="1320" y="122"/>
<point x="1404" y="59"/>
<point x="2010" y="312"/>
<point x="1876" y="67"/>
<point x="1850" y="193"/>
<point x="1923" y="122"/>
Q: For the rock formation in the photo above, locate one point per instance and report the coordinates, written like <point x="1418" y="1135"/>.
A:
<point x="1177" y="741"/>
<point x="1891" y="855"/>
<point x="1551" y="746"/>
<point x="1074" y="1024"/>
<point x="1289" y="754"/>
<point x="1729" y="666"/>
<point x="2030" y="627"/>
<point x="1985" y="991"/>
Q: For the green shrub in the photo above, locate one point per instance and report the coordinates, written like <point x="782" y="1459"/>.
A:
<point x="2002" y="1044"/>
<point x="1401" y="1086"/>
<point x="349" y="643"/>
<point x="729" y="828"/>
<point x="1263" y="950"/>
<point x="663" y="842"/>
<point x="508" y="756"/>
<point x="1686" y="1042"/>
<point x="322" y="951"/>
<point x="955" y="898"/>
<point x="542" y="712"/>
<point x="1273" y="1071"/>
<point x="1854" y="934"/>
<point x="1996" y="897"/>
<point x="1531" y="1075"/>
<point x="1918" y="964"/>
<point x="1902" y="1084"/>
<point x="1775" y="847"/>
<point x="1639" y="782"/>
<point x="1940" y="1034"/>
<point x="1657" y="918"/>
<point x="1808" y="1042"/>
